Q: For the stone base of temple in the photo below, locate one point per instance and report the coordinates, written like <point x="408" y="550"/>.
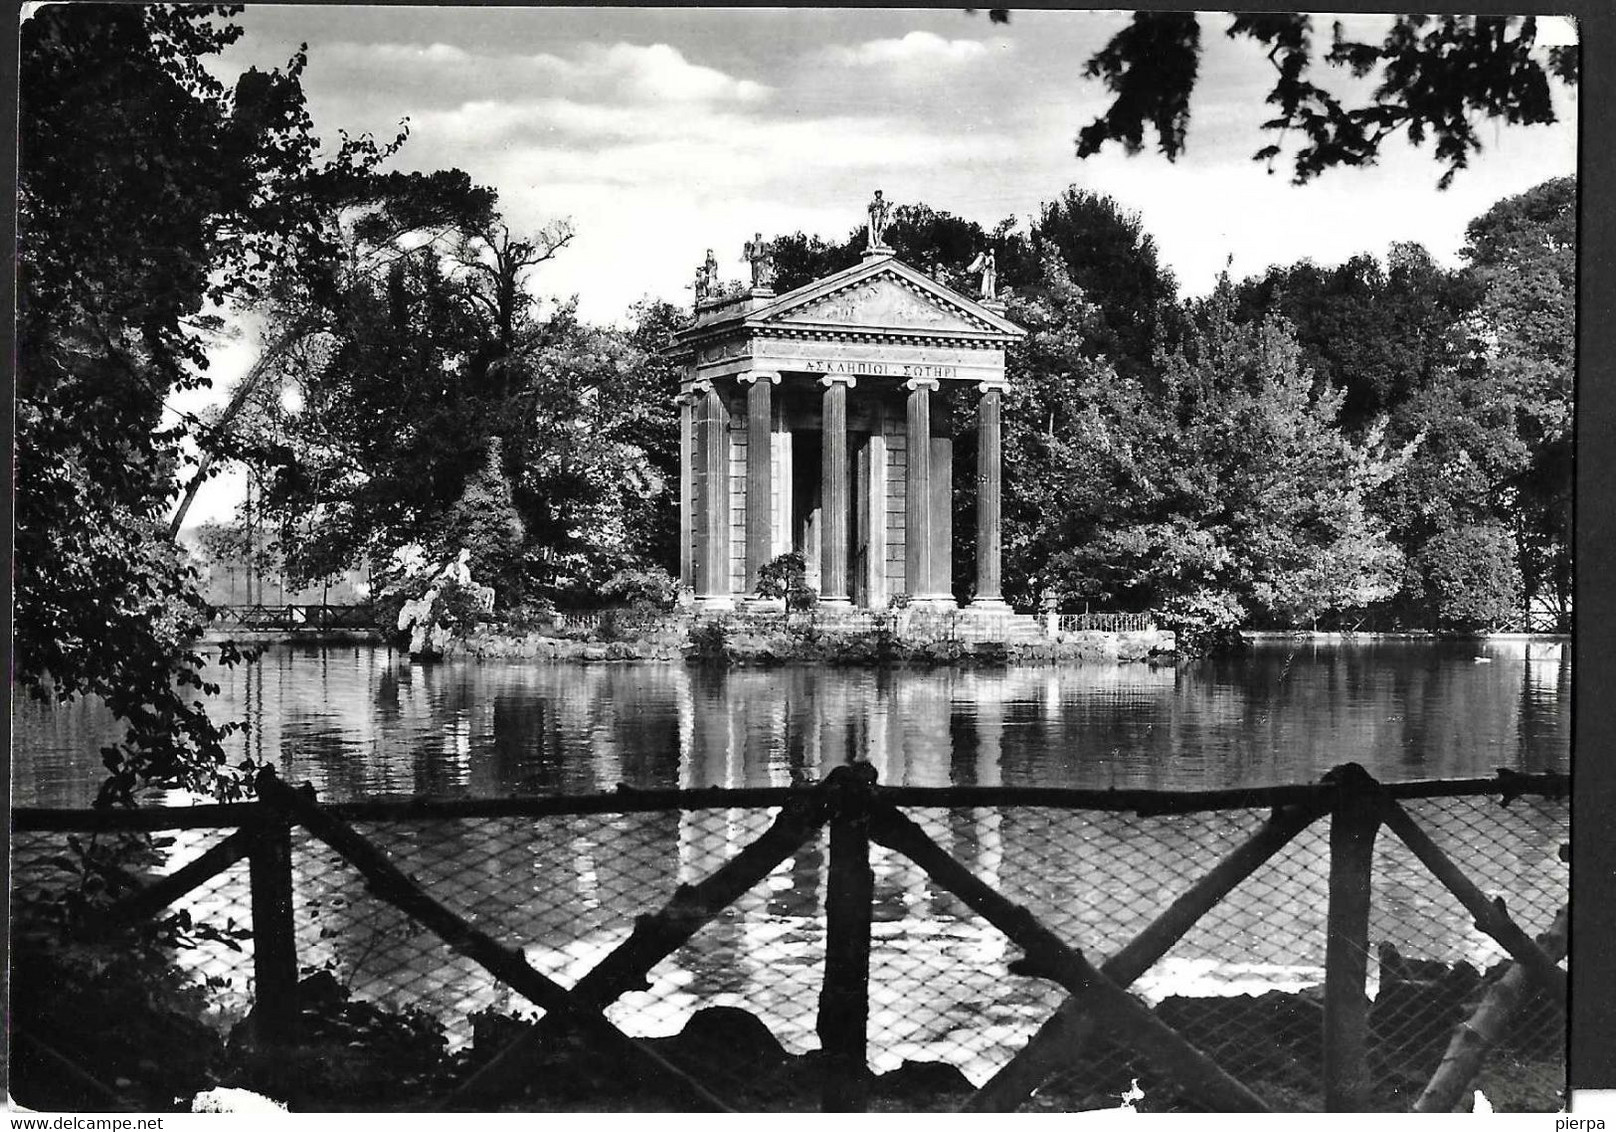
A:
<point x="1006" y="625"/>
<point x="761" y="605"/>
<point x="934" y="603"/>
<point x="988" y="607"/>
<point x="715" y="603"/>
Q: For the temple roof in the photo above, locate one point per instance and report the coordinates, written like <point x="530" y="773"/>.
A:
<point x="879" y="297"/>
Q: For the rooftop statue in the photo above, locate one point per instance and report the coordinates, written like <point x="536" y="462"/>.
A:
<point x="706" y="284"/>
<point x="880" y="213"/>
<point x="761" y="256"/>
<point x="986" y="263"/>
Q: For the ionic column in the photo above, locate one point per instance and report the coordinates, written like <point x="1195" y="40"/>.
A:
<point x="759" y="472"/>
<point x="989" y="536"/>
<point x="687" y="476"/>
<point x="834" y="495"/>
<point x="712" y="498"/>
<point x="917" y="556"/>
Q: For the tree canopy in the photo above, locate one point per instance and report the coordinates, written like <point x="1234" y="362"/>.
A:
<point x="450" y="413"/>
<point x="1474" y="367"/>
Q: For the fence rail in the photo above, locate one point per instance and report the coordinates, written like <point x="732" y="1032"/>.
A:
<point x="1506" y="785"/>
<point x="885" y="890"/>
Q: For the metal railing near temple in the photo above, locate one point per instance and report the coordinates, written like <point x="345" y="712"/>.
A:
<point x="985" y="948"/>
<point x="1105" y="622"/>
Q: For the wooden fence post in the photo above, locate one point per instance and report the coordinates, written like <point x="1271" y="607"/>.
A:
<point x="1353" y="826"/>
<point x="844" y="999"/>
<point x="269" y="866"/>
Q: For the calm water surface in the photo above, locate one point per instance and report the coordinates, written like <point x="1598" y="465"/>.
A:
<point x="363" y="723"/>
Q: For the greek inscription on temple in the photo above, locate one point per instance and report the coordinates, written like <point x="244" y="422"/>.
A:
<point x="943" y="372"/>
<point x="883" y="369"/>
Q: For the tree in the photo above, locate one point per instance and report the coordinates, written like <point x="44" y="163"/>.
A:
<point x="365" y="222"/>
<point x="646" y="419"/>
<point x="1522" y="256"/>
<point x="1109" y="255"/>
<point x="1379" y="332"/>
<point x="1437" y="78"/>
<point x="800" y="259"/>
<point x="145" y="192"/>
<point x="1227" y="492"/>
<point x="389" y="431"/>
<point x="1062" y="451"/>
<point x="1472" y="577"/>
<point x="450" y="415"/>
<point x="586" y="483"/>
<point x="484" y="520"/>
<point x="1472" y="369"/>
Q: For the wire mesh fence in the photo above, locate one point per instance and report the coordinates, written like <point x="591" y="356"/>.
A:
<point x="950" y="1001"/>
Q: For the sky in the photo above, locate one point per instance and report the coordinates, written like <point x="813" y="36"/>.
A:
<point x="660" y="133"/>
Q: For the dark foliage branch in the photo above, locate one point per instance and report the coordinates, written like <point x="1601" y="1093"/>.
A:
<point x="1437" y="79"/>
<point x="1150" y="66"/>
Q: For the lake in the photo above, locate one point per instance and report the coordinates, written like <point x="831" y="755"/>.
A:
<point x="365" y="723"/>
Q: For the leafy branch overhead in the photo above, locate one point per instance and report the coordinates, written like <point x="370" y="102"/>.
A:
<point x="1437" y="79"/>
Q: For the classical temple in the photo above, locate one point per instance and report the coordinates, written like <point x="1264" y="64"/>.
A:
<point x="821" y="420"/>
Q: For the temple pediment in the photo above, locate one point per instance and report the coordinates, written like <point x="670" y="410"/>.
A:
<point x="883" y="295"/>
<point x="880" y="318"/>
<point x="884" y="302"/>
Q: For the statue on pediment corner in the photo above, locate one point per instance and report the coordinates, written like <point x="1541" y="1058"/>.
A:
<point x="706" y="284"/>
<point x="760" y="254"/>
<point x="986" y="263"/>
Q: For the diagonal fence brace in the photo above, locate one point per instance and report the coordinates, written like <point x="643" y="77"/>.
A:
<point x="1113" y="1008"/>
<point x="653" y="939"/>
<point x="390" y="883"/>
<point x="1060" y="1040"/>
<point x="160" y="893"/>
<point x="1477" y="1035"/>
<point x="1490" y="915"/>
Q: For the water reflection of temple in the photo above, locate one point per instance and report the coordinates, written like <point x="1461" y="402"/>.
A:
<point x="792" y="726"/>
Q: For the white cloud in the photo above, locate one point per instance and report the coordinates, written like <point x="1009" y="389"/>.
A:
<point x="916" y="47"/>
<point x="674" y="145"/>
<point x="661" y="72"/>
<point x="617" y="73"/>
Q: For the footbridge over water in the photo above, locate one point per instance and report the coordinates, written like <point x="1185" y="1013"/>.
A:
<point x="300" y="620"/>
